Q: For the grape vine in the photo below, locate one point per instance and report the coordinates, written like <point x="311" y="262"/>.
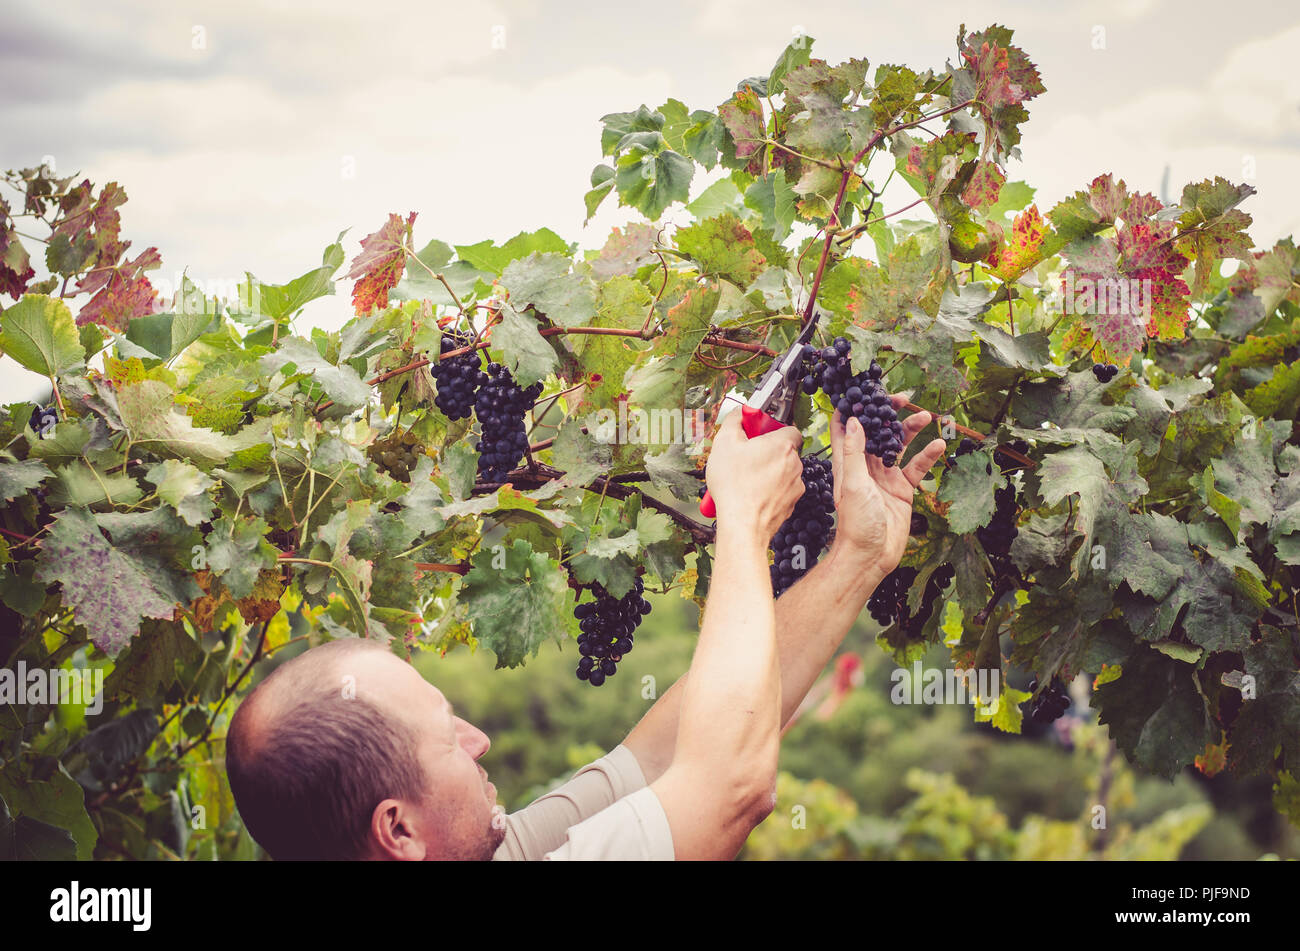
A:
<point x="205" y="483"/>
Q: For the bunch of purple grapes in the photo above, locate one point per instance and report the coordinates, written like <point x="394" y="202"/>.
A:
<point x="861" y="395"/>
<point x="996" y="537"/>
<point x="43" y="420"/>
<point x="800" y="540"/>
<point x="458" y="378"/>
<point x="607" y="625"/>
<point x="501" y="405"/>
<point x="1049" y="705"/>
<point x="1104" y="372"/>
<point x="888" y="603"/>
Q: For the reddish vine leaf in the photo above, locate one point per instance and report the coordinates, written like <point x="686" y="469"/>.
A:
<point x="936" y="163"/>
<point x="1276" y="275"/>
<point x="15" y="264"/>
<point x="724" y="247"/>
<point x="1128" y="286"/>
<point x="985" y="185"/>
<point x="379" y="266"/>
<point x="1023" y="249"/>
<point x="625" y="250"/>
<point x="1094" y="209"/>
<point x="742" y="116"/>
<point x="1003" y="78"/>
<point x="121" y="293"/>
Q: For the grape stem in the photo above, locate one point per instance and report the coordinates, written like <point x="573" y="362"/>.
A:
<point x="833" y="222"/>
<point x="456" y="569"/>
<point x="711" y="340"/>
<point x="703" y="534"/>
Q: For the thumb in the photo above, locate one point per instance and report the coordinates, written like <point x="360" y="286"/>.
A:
<point x="855" y="440"/>
<point x="851" y="457"/>
<point x="729" y="427"/>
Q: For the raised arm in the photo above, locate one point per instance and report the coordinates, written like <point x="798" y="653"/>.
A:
<point x="874" y="505"/>
<point x="721" y="778"/>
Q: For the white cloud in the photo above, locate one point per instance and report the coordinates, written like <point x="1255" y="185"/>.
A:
<point x="234" y="155"/>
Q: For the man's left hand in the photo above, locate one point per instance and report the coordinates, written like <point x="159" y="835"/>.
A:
<point x="874" y="503"/>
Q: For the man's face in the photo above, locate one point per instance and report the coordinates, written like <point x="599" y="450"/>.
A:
<point x="458" y="817"/>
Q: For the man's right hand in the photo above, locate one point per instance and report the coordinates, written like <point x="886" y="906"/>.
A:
<point x="755" y="482"/>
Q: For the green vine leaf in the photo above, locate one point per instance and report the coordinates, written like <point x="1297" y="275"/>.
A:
<point x="547" y="283"/>
<point x="110" y="588"/>
<point x="968" y="488"/>
<point x="40" y="334"/>
<point x="516" y="598"/>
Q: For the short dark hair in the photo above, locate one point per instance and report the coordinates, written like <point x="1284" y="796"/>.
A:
<point x="307" y="786"/>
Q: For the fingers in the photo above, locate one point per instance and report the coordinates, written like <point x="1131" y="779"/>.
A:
<point x="790" y="434"/>
<point x="855" y="439"/>
<point x="837" y="452"/>
<point x="730" y="425"/>
<point x="914" y="424"/>
<point x="848" y="453"/>
<point x="923" y="461"/>
<point x="787" y="440"/>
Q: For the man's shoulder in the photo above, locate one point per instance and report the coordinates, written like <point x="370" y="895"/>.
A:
<point x="634" y="828"/>
<point x="545" y="825"/>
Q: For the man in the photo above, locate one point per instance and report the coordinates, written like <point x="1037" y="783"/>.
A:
<point x="346" y="752"/>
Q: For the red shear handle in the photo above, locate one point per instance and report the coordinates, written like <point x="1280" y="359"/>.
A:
<point x="755" y="423"/>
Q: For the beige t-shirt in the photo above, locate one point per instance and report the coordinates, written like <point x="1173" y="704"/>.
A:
<point x="605" y="811"/>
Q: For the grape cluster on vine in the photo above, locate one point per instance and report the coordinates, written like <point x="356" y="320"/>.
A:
<point x="965" y="447"/>
<point x="888" y="603"/>
<point x="43" y="420"/>
<point x="397" y="453"/>
<point x="501" y="405"/>
<point x="855" y="394"/>
<point x="1105" y="372"/>
<point x="800" y="540"/>
<point x="607" y="626"/>
<point x="1050" y="704"/>
<point x="457" y="377"/>
<point x="996" y="537"/>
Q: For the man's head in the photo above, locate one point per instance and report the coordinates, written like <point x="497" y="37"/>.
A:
<point x="345" y="752"/>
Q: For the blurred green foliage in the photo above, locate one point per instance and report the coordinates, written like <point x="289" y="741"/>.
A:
<point x="875" y="780"/>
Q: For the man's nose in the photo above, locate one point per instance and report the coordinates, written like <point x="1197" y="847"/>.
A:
<point x="474" y="740"/>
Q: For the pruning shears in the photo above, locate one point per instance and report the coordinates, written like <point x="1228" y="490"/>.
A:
<point x="772" y="405"/>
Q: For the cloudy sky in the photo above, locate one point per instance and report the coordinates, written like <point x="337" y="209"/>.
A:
<point x="248" y="134"/>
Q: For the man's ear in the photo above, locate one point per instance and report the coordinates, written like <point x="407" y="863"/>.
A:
<point x="394" y="835"/>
